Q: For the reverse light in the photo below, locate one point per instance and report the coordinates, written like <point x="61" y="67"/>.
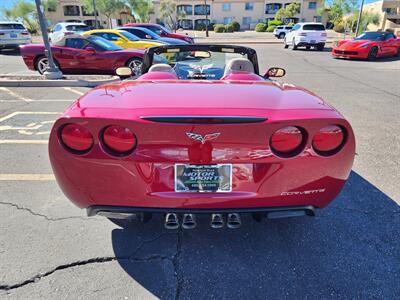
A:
<point x="287" y="141"/>
<point x="76" y="137"/>
<point x="119" y="139"/>
<point x="328" y="140"/>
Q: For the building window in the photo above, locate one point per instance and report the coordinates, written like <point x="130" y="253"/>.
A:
<point x="187" y="9"/>
<point x="272" y="8"/>
<point x="71" y="10"/>
<point x="246" y="20"/>
<point x="201" y="9"/>
<point x="226" y="6"/>
<point x="312" y="5"/>
<point x="317" y="19"/>
<point x="227" y="20"/>
<point x="186" y="24"/>
<point x="249" y="6"/>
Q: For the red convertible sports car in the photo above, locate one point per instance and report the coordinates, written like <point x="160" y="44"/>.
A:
<point x="205" y="135"/>
<point x="76" y="54"/>
<point x="369" y="45"/>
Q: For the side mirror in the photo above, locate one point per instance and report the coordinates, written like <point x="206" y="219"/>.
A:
<point x="275" y="72"/>
<point x="124" y="72"/>
<point x="148" y="37"/>
<point x="91" y="50"/>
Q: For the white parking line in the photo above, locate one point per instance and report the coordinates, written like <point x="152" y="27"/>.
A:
<point x="15" y="95"/>
<point x="27" y="177"/>
<point x="74" y="91"/>
<point x="40" y="100"/>
<point x="28" y="113"/>
<point x="35" y="142"/>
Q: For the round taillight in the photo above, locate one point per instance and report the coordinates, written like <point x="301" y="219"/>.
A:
<point x="119" y="139"/>
<point x="76" y="137"/>
<point x="328" y="140"/>
<point x="287" y="140"/>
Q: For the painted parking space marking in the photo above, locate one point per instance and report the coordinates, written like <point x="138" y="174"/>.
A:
<point x="27" y="177"/>
<point x="39" y="100"/>
<point x="15" y="95"/>
<point x="9" y="116"/>
<point x="35" y="142"/>
<point x="73" y="91"/>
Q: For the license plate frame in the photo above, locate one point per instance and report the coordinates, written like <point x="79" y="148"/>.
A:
<point x="13" y="35"/>
<point x="216" y="178"/>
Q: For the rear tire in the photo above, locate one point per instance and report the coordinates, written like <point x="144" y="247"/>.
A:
<point x="321" y="47"/>
<point x="285" y="45"/>
<point x="41" y="64"/>
<point x="397" y="53"/>
<point x="372" y="54"/>
<point x="308" y="47"/>
<point x="294" y="45"/>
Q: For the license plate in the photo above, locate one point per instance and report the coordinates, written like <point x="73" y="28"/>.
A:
<point x="312" y="41"/>
<point x="203" y="178"/>
<point x="13" y="35"/>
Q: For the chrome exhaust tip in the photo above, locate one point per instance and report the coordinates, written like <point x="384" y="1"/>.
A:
<point x="217" y="221"/>
<point x="234" y="221"/>
<point x="171" y="221"/>
<point x="189" y="221"/>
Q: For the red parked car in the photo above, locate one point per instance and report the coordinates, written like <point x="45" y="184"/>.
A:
<point x="204" y="134"/>
<point x="76" y="54"/>
<point x="368" y="45"/>
<point x="162" y="31"/>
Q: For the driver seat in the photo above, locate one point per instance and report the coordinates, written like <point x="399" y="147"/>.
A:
<point x="238" y="65"/>
<point x="162" y="68"/>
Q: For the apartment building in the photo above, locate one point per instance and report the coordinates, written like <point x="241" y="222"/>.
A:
<point x="74" y="11"/>
<point x="247" y="12"/>
<point x="389" y="12"/>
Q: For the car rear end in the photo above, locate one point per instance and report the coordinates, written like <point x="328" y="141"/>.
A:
<point x="13" y="35"/>
<point x="311" y="34"/>
<point x="220" y="160"/>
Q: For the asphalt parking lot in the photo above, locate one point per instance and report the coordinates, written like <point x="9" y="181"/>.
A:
<point x="49" y="249"/>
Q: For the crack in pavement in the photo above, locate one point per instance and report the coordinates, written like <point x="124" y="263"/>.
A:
<point x="175" y="262"/>
<point x="44" y="216"/>
<point x="96" y="260"/>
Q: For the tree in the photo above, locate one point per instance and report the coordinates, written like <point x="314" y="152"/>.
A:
<point x="287" y="12"/>
<point x="366" y="19"/>
<point x="105" y="7"/>
<point x="337" y="9"/>
<point x="24" y="11"/>
<point x="169" y="14"/>
<point x="142" y="9"/>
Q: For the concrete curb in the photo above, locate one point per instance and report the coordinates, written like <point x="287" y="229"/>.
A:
<point x="54" y="83"/>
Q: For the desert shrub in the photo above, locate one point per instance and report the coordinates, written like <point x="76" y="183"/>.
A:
<point x="270" y="28"/>
<point x="290" y="24"/>
<point x="219" y="28"/>
<point x="274" y="23"/>
<point x="236" y="26"/>
<point x="260" y="27"/>
<point x="229" y="28"/>
<point x="339" y="28"/>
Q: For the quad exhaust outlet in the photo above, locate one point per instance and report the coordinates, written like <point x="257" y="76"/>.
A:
<point x="171" y="221"/>
<point x="234" y="221"/>
<point x="189" y="221"/>
<point x="217" y="221"/>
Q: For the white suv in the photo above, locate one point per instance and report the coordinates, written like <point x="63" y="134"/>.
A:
<point x="306" y="35"/>
<point x="281" y="30"/>
<point x="13" y="34"/>
<point x="62" y="29"/>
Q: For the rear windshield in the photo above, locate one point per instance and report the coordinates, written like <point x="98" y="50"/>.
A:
<point x="12" y="26"/>
<point x="77" y="28"/>
<point x="316" y="27"/>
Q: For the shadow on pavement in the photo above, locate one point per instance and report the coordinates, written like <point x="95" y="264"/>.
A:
<point x="350" y="250"/>
<point x="10" y="52"/>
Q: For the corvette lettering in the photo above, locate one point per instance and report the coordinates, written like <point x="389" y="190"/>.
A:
<point x="302" y="192"/>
